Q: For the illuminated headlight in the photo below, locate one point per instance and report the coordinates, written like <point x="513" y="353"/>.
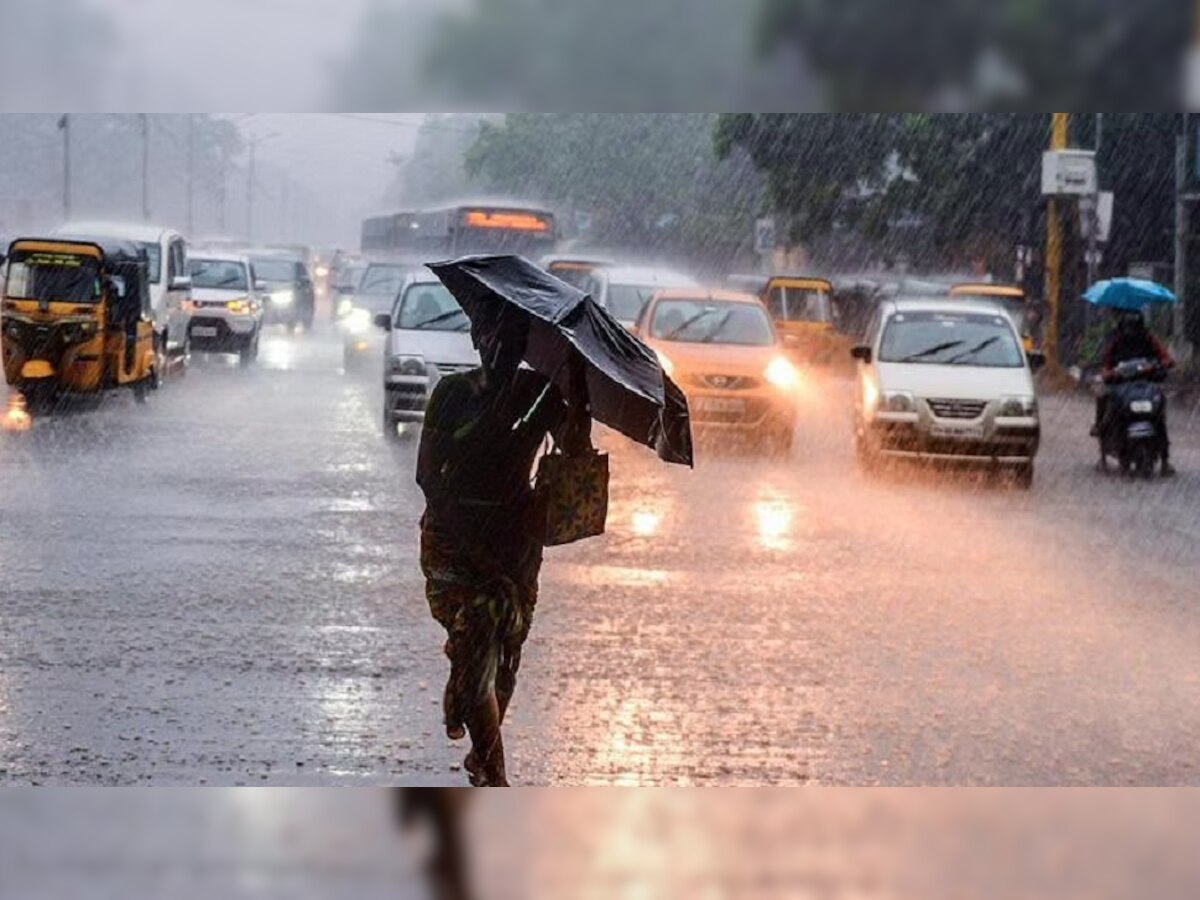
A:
<point x="898" y="402"/>
<point x="322" y="271"/>
<point x="409" y="366"/>
<point x="344" y="308"/>
<point x="357" y="321"/>
<point x="1018" y="408"/>
<point x="283" y="298"/>
<point x="782" y="374"/>
<point x="241" y="307"/>
<point x="1142" y="407"/>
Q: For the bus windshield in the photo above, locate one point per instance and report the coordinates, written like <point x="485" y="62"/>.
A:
<point x="53" y="277"/>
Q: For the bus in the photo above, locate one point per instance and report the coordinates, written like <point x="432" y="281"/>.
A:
<point x="451" y="231"/>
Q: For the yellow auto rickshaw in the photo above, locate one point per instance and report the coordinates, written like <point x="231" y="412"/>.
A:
<point x="76" y="319"/>
<point x="802" y="308"/>
<point x="1010" y="298"/>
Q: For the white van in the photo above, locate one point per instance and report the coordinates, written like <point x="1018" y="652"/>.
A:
<point x="170" y="283"/>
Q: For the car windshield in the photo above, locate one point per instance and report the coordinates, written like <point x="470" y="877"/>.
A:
<point x="626" y="301"/>
<point x="430" y="307"/>
<point x="383" y="280"/>
<point x="350" y="277"/>
<point x="279" y="271"/>
<point x="53" y="277"/>
<point x="154" y="261"/>
<point x="712" y="322"/>
<point x="951" y="339"/>
<point x="221" y="274"/>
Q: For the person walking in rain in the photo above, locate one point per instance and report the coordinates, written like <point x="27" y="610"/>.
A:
<point x="480" y="552"/>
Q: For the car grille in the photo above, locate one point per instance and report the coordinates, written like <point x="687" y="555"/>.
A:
<point x="724" y="382"/>
<point x="966" y="410"/>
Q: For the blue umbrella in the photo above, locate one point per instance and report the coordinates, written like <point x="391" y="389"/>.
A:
<point x="1128" y="293"/>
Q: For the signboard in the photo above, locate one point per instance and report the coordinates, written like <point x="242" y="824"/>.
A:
<point x="1068" y="173"/>
<point x="764" y="236"/>
<point x="1096" y="216"/>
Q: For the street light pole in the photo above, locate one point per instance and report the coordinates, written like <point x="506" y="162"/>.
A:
<point x="1059" y="137"/>
<point x="144" y="121"/>
<point x="191" y="174"/>
<point x="64" y="125"/>
<point x="1179" y="321"/>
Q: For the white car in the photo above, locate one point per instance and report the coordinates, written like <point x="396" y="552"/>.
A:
<point x="226" y="310"/>
<point x="170" y="283"/>
<point x="376" y="293"/>
<point x="946" y="380"/>
<point x="624" y="292"/>
<point x="429" y="337"/>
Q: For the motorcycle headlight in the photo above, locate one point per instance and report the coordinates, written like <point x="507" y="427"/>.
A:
<point x="1018" y="408"/>
<point x="409" y="366"/>
<point x="782" y="374"/>
<point x="283" y="298"/>
<point x="898" y="402"/>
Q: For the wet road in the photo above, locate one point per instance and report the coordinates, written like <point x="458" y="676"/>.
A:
<point x="221" y="588"/>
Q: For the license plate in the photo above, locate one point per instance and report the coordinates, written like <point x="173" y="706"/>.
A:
<point x="204" y="331"/>
<point x="957" y="432"/>
<point x="720" y="405"/>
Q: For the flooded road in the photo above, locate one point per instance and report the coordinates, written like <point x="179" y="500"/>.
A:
<point x="222" y="588"/>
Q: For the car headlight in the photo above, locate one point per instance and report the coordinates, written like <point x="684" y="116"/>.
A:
<point x="188" y="307"/>
<point x="344" y="308"/>
<point x="898" y="402"/>
<point x="665" y="362"/>
<point x="357" y="321"/>
<point x="283" y="298"/>
<point x="409" y="366"/>
<point x="322" y="271"/>
<point x="1018" y="408"/>
<point x="241" y="307"/>
<point x="782" y="374"/>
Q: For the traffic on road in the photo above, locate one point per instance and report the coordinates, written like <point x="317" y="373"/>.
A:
<point x="903" y="550"/>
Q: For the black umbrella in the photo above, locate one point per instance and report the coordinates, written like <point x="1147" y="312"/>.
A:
<point x="627" y="387"/>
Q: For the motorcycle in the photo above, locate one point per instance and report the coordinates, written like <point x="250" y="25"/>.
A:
<point x="1133" y="431"/>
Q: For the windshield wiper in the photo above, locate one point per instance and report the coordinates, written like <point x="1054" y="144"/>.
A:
<point x="717" y="329"/>
<point x="688" y="323"/>
<point x="978" y="348"/>
<point x="932" y="351"/>
<point x="420" y="326"/>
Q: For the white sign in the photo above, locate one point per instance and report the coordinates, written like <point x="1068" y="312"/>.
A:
<point x="1096" y="216"/>
<point x="1068" y="173"/>
<point x="764" y="236"/>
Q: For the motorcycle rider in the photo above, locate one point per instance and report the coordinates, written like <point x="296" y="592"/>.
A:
<point x="1132" y="339"/>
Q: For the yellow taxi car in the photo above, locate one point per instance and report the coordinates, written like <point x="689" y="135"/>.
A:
<point x="722" y="349"/>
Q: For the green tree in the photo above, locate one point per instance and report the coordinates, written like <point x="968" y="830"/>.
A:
<point x="434" y="170"/>
<point x="906" y="54"/>
<point x="641" y="182"/>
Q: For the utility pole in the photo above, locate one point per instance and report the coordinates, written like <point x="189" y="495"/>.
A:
<point x="1179" y="321"/>
<point x="222" y="191"/>
<point x="1059" y="138"/>
<point x="191" y="174"/>
<point x="250" y="191"/>
<point x="1093" y="212"/>
<point x="64" y="125"/>
<point x="144" y="121"/>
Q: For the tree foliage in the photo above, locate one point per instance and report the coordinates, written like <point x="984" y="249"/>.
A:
<point x="906" y="54"/>
<point x="644" y="182"/>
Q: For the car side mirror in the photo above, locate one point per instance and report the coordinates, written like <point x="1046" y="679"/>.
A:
<point x="181" y="283"/>
<point x="862" y="353"/>
<point x="1037" y="359"/>
<point x="383" y="321"/>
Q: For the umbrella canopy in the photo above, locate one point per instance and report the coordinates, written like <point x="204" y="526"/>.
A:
<point x="1127" y="293"/>
<point x="627" y="387"/>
